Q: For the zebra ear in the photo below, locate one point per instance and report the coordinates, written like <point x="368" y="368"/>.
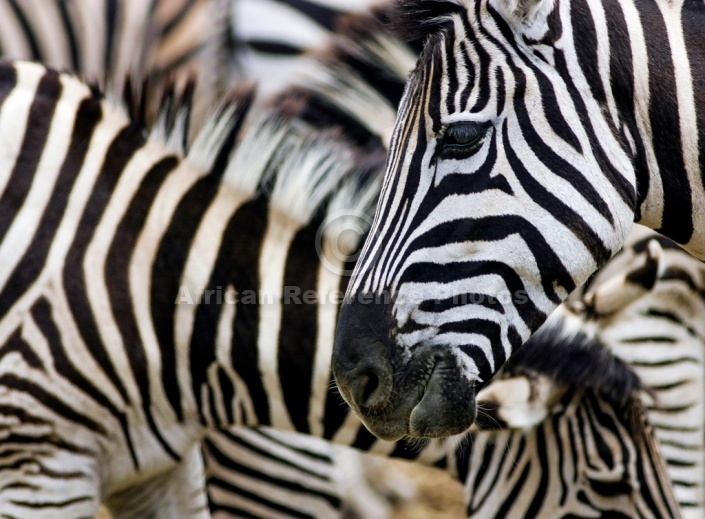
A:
<point x="623" y="289"/>
<point x="520" y="402"/>
<point x="528" y="17"/>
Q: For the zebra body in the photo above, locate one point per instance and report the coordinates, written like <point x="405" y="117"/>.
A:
<point x="529" y="139"/>
<point x="111" y="243"/>
<point x="70" y="381"/>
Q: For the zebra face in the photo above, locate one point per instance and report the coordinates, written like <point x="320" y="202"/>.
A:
<point x="507" y="184"/>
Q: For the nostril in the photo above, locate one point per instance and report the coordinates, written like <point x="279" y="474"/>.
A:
<point x="371" y="386"/>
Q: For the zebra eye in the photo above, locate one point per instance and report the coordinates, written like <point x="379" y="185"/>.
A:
<point x="461" y="137"/>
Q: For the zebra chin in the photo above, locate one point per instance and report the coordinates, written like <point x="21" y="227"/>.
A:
<point x="423" y="394"/>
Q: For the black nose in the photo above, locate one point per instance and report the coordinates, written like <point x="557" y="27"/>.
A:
<point x="360" y="363"/>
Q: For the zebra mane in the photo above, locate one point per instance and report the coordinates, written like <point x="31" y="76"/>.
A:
<point x="265" y="150"/>
<point x="574" y="358"/>
<point x="299" y="166"/>
<point x="416" y="20"/>
<point x="355" y="83"/>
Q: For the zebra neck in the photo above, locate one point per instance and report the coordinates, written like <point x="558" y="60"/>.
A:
<point x="646" y="62"/>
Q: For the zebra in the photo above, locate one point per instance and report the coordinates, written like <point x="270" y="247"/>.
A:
<point x="106" y="41"/>
<point x="271" y="40"/>
<point x="529" y="140"/>
<point x="123" y="43"/>
<point x="84" y="416"/>
<point x="126" y="37"/>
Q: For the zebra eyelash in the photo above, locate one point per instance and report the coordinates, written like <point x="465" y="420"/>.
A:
<point x="460" y="140"/>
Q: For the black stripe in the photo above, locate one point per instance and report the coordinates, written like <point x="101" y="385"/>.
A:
<point x="14" y="383"/>
<point x="413" y="176"/>
<point x="691" y="22"/>
<point x="16" y="344"/>
<point x="677" y="221"/>
<point x="617" y="179"/>
<point x="172" y="254"/>
<point x="297" y="351"/>
<point x="540" y="492"/>
<point x="69" y="32"/>
<point x="8" y="80"/>
<point x="294" y="448"/>
<point x="487" y="328"/>
<point x="470" y="76"/>
<point x="321" y="14"/>
<point x="483" y="76"/>
<point x="275" y="48"/>
<point x="564" y="214"/>
<point x="428" y="272"/>
<point x="52" y="504"/>
<point x="226" y="460"/>
<point x="237" y="265"/>
<point x="512" y="497"/>
<point x="281" y="483"/>
<point x="111" y="21"/>
<point x="451" y="68"/>
<point x="41" y="114"/>
<point x="27" y="31"/>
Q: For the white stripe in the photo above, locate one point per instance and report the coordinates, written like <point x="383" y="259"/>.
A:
<point x="272" y="264"/>
<point x="328" y="283"/>
<point x="13" y="116"/>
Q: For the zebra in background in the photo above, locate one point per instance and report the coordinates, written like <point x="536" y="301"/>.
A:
<point x="270" y="40"/>
<point x="530" y="138"/>
<point x="115" y="42"/>
<point x="105" y="41"/>
<point x="59" y="35"/>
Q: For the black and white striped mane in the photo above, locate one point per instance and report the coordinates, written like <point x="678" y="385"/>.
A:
<point x="575" y="359"/>
<point x="416" y="20"/>
<point x="268" y="147"/>
<point x="355" y="83"/>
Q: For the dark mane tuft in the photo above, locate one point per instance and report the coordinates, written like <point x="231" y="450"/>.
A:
<point x="415" y="20"/>
<point x="575" y="360"/>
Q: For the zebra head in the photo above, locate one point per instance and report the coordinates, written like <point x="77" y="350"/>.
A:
<point x="511" y="177"/>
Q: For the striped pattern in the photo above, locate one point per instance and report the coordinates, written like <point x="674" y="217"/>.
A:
<point x="214" y="398"/>
<point x="270" y="39"/>
<point x="106" y="40"/>
<point x="104" y="230"/>
<point x="548" y="440"/>
<point x="578" y="463"/>
<point x="49" y="367"/>
<point x="530" y="137"/>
